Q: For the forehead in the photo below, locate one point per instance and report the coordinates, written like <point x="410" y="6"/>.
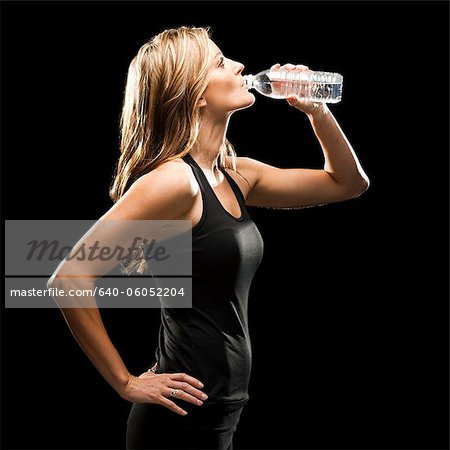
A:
<point x="213" y="49"/>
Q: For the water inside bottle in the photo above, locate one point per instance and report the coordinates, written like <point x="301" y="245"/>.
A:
<point x="308" y="85"/>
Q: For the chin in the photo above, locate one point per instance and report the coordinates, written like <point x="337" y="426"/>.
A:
<point x="251" y="99"/>
<point x="247" y="101"/>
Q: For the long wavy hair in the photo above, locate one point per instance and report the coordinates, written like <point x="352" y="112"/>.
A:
<point x="160" y="118"/>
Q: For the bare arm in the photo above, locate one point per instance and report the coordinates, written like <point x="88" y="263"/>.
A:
<point x="341" y="162"/>
<point x="341" y="178"/>
<point x="153" y="197"/>
<point x="87" y="328"/>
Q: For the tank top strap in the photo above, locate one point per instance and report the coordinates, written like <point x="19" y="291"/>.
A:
<point x="200" y="177"/>
<point x="209" y="194"/>
<point x="236" y="188"/>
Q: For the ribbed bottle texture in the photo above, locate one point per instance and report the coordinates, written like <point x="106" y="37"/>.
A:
<point x="308" y="85"/>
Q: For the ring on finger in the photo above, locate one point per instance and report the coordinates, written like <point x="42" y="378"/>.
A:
<point x="174" y="393"/>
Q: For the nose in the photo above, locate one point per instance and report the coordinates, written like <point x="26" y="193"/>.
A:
<point x="239" y="68"/>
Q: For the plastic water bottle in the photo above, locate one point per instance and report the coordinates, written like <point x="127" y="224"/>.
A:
<point x="308" y="85"/>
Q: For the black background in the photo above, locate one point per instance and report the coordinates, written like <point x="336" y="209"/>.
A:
<point x="349" y="308"/>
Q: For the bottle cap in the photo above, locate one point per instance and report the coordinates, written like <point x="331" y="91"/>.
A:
<point x="248" y="80"/>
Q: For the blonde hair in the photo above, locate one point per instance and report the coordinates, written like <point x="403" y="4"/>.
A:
<point x="160" y="119"/>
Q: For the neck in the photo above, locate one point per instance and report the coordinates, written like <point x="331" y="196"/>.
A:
<point x="211" y="139"/>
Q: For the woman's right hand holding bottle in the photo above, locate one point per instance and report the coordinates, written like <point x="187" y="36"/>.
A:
<point x="156" y="388"/>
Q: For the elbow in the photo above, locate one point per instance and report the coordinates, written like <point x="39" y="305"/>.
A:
<point x="363" y="185"/>
<point x="71" y="276"/>
<point x="72" y="291"/>
<point x="56" y="286"/>
<point x="358" y="187"/>
<point x="58" y="282"/>
<point x="52" y="282"/>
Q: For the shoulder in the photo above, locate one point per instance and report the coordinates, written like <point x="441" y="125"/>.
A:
<point x="175" y="175"/>
<point x="248" y="171"/>
<point x="167" y="192"/>
<point x="247" y="165"/>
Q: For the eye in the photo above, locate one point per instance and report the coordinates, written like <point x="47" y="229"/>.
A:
<point x="221" y="62"/>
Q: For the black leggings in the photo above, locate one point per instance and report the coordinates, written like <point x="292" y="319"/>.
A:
<point x="152" y="426"/>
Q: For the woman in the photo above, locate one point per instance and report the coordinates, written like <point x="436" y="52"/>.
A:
<point x="176" y="163"/>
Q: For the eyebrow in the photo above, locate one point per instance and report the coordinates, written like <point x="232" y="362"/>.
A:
<point x="215" y="57"/>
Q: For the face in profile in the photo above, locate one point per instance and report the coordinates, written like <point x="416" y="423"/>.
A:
<point x="226" y="91"/>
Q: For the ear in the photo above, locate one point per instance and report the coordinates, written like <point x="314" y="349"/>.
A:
<point x="202" y="102"/>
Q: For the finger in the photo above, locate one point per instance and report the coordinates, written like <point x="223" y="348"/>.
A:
<point x="172" y="406"/>
<point x="182" y="395"/>
<point x="187" y="378"/>
<point x="275" y="66"/>
<point x="293" y="100"/>
<point x="288" y="67"/>
<point x="301" y="67"/>
<point x="148" y="374"/>
<point x="186" y="387"/>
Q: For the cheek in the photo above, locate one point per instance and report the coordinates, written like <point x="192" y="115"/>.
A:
<point x="218" y="89"/>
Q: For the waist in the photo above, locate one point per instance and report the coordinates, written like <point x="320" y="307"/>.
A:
<point x="225" y="379"/>
<point x="217" y="406"/>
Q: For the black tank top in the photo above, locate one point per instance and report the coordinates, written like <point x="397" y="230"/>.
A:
<point x="211" y="341"/>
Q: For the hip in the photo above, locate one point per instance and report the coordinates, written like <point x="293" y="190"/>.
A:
<point x="226" y="387"/>
<point x="152" y="425"/>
